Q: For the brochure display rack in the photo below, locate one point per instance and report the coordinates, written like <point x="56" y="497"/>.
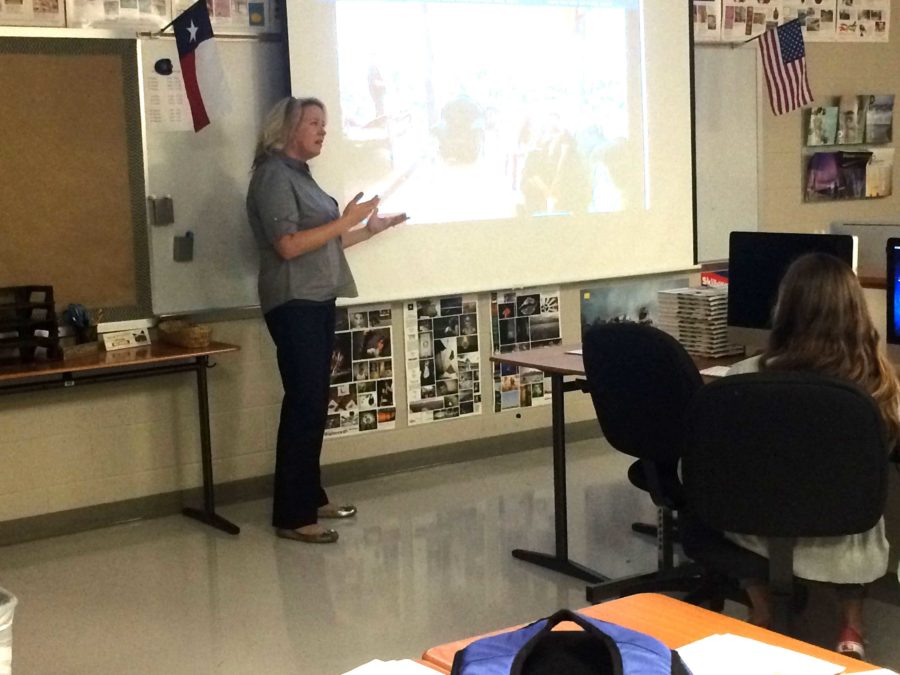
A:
<point x="846" y="157"/>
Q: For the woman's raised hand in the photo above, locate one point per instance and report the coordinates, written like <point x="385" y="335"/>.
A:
<point x="356" y="211"/>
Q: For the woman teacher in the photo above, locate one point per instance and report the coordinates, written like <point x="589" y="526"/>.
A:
<point x="301" y="235"/>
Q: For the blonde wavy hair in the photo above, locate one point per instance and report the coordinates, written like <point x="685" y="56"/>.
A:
<point x="821" y="323"/>
<point x="279" y="125"/>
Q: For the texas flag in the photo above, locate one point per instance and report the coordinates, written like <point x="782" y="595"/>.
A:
<point x="204" y="80"/>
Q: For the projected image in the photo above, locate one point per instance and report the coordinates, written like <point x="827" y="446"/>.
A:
<point x="451" y="115"/>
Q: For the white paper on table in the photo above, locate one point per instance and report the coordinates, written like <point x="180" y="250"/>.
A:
<point x="737" y="655"/>
<point x="574" y="351"/>
<point x="716" y="371"/>
<point x="401" y="667"/>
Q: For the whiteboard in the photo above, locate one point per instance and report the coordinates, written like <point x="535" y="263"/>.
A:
<point x="206" y="174"/>
<point x="727" y="145"/>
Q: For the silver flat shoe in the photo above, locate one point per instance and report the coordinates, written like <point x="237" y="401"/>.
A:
<point x="346" y="511"/>
<point x="325" y="537"/>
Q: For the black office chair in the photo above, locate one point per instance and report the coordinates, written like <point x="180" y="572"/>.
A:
<point x="641" y="381"/>
<point x="780" y="455"/>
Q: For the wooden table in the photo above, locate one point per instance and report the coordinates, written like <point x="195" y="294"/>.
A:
<point x="557" y="363"/>
<point x="95" y="366"/>
<point x="672" y="622"/>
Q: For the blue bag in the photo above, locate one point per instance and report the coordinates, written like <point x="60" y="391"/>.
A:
<point x="600" y="648"/>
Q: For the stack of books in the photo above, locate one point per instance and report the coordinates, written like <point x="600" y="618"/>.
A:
<point x="697" y="318"/>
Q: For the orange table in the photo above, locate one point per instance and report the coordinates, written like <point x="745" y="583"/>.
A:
<point x="672" y="622"/>
<point x="95" y="366"/>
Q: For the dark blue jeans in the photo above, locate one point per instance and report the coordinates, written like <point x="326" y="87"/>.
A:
<point x="304" y="339"/>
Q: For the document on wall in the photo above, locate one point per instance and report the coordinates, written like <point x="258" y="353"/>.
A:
<point x="742" y="21"/>
<point x="32" y="13"/>
<point x="147" y="15"/>
<point x="361" y="396"/>
<point x="863" y="20"/>
<point x="707" y="20"/>
<point x="443" y="363"/>
<point x="816" y="21"/>
<point x="523" y="319"/>
<point x="236" y="17"/>
<point x="738" y="655"/>
<point x="166" y="106"/>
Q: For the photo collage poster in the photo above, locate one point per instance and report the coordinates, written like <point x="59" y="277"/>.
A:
<point x="816" y="18"/>
<point x="820" y="20"/>
<point x="633" y="302"/>
<point x="745" y="19"/>
<point x="443" y="379"/>
<point x="361" y="397"/>
<point x="32" y="13"/>
<point x="863" y="20"/>
<point x="149" y="15"/>
<point x="707" y="21"/>
<point x="522" y="320"/>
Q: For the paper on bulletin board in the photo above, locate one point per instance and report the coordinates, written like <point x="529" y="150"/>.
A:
<point x="166" y="107"/>
<point x="817" y="22"/>
<point x="863" y="20"/>
<point x="236" y="17"/>
<point x="707" y="20"/>
<point x="32" y="13"/>
<point x="148" y="15"/>
<point x="744" y="20"/>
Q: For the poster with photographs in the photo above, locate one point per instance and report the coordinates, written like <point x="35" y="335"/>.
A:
<point x="32" y="13"/>
<point x="523" y="320"/>
<point x="361" y="397"/>
<point x="632" y="302"/>
<point x="235" y="17"/>
<point x="745" y="19"/>
<point x="150" y="15"/>
<point x="863" y="20"/>
<point x="817" y="19"/>
<point x="707" y="24"/>
<point x="443" y="380"/>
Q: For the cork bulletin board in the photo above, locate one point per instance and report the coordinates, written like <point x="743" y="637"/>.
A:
<point x="72" y="210"/>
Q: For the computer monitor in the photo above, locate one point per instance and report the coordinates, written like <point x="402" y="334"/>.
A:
<point x="892" y="332"/>
<point x="756" y="263"/>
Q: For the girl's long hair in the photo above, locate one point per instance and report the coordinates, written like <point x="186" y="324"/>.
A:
<point x="821" y="324"/>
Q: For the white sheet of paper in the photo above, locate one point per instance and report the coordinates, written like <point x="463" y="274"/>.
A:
<point x="715" y="371"/>
<point x="737" y="655"/>
<point x="401" y="667"/>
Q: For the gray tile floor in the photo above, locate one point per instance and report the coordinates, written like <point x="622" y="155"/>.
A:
<point x="426" y="561"/>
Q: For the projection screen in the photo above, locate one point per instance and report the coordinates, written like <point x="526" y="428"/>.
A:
<point x="530" y="142"/>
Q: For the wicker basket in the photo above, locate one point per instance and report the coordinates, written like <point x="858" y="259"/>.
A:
<point x="184" y="334"/>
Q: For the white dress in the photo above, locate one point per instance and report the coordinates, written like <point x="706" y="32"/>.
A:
<point x="848" y="559"/>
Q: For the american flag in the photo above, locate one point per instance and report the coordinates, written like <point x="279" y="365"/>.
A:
<point x="784" y="65"/>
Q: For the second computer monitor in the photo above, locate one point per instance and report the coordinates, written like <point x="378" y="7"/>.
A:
<point x="756" y="263"/>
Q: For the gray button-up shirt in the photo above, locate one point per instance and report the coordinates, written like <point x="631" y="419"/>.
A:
<point x="282" y="199"/>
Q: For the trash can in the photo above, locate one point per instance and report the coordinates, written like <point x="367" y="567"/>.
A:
<point x="7" y="608"/>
